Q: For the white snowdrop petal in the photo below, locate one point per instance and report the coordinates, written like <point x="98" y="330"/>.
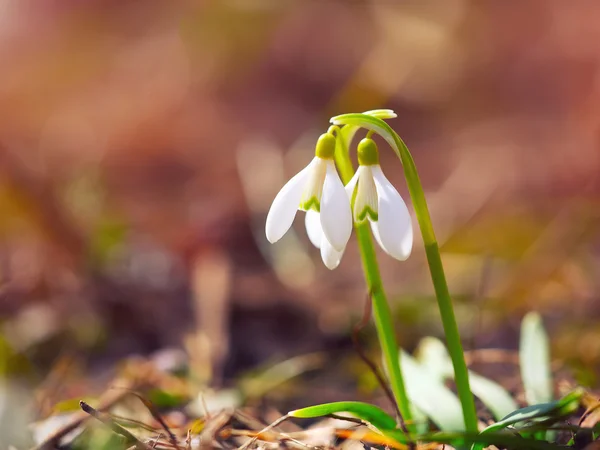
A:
<point x="365" y="202"/>
<point x="330" y="256"/>
<point x="284" y="207"/>
<point x="313" y="188"/>
<point x="313" y="227"/>
<point x="394" y="224"/>
<point x="336" y="215"/>
<point x="352" y="184"/>
<point x="376" y="235"/>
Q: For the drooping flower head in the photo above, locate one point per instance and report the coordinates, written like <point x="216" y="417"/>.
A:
<point x="331" y="209"/>
<point x="318" y="189"/>
<point x="374" y="199"/>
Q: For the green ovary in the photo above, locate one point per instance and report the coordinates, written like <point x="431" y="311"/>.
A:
<point x="368" y="155"/>
<point x="325" y="146"/>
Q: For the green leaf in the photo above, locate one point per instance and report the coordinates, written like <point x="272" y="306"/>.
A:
<point x="369" y="413"/>
<point x="465" y="439"/>
<point x="494" y="396"/>
<point x="164" y="399"/>
<point x="543" y="412"/>
<point x="534" y="355"/>
<point x="107" y="238"/>
<point x="428" y="393"/>
<point x="433" y="355"/>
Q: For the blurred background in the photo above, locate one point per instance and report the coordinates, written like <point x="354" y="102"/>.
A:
<point x="142" y="142"/>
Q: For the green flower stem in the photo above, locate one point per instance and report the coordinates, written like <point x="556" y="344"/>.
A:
<point x="383" y="322"/>
<point x="381" y="308"/>
<point x="434" y="260"/>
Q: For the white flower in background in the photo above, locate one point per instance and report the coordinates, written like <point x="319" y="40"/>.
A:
<point x="318" y="190"/>
<point x="376" y="200"/>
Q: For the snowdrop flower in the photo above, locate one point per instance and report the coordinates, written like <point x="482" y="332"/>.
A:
<point x="374" y="199"/>
<point x="318" y="190"/>
<point x="330" y="256"/>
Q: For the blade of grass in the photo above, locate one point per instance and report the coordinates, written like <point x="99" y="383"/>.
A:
<point x="492" y="395"/>
<point x="466" y="439"/>
<point x="543" y="412"/>
<point x="365" y="411"/>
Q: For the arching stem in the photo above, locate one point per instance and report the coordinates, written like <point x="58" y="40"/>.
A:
<point x="432" y="252"/>
<point x="381" y="308"/>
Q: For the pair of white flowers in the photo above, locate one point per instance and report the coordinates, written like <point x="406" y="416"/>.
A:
<point x="331" y="208"/>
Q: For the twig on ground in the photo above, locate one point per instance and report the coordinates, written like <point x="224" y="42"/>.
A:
<point x="188" y="440"/>
<point x="247" y="420"/>
<point x="115" y="427"/>
<point x="212" y="428"/>
<point x="128" y="421"/>
<point x="52" y="441"/>
<point x="587" y="413"/>
<point x="160" y="435"/>
<point x="348" y="419"/>
<point x="264" y="430"/>
<point x="150" y="406"/>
